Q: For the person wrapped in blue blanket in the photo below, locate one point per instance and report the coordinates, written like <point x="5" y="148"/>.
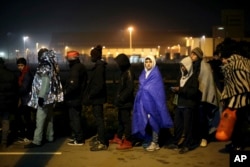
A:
<point x="150" y="107"/>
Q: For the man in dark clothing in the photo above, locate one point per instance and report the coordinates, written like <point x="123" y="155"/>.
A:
<point x="8" y="99"/>
<point x="73" y="92"/>
<point x="25" y="123"/>
<point x="97" y="95"/>
<point x="124" y="100"/>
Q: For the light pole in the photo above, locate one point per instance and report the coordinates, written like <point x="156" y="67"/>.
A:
<point x="130" y="29"/>
<point x="24" y="39"/>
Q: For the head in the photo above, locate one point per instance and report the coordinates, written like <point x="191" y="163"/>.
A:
<point x="196" y="54"/>
<point x="42" y="53"/>
<point x="149" y="62"/>
<point x="72" y="55"/>
<point x="96" y="53"/>
<point x="123" y="62"/>
<point x="21" y="63"/>
<point x="186" y="66"/>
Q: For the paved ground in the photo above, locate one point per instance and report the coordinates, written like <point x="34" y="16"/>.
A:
<point x="60" y="154"/>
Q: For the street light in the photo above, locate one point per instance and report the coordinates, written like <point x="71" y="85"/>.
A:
<point x="24" y="39"/>
<point x="130" y="29"/>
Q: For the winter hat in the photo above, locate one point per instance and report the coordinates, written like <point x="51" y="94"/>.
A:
<point x="21" y="61"/>
<point x="96" y="53"/>
<point x="123" y="61"/>
<point x="197" y="51"/>
<point x="72" y="55"/>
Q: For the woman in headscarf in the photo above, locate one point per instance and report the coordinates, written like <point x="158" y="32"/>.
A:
<point x="150" y="104"/>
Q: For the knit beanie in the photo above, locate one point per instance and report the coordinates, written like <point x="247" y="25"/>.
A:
<point x="72" y="55"/>
<point x="197" y="51"/>
<point x="96" y="53"/>
<point x="21" y="61"/>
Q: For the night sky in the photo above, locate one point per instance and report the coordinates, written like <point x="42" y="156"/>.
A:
<point x="41" y="18"/>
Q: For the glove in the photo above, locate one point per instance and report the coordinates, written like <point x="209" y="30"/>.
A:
<point x="40" y="101"/>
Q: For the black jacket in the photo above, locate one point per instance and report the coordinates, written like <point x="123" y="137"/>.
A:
<point x="75" y="83"/>
<point x="189" y="95"/>
<point x="124" y="97"/>
<point x="96" y="90"/>
<point x="125" y="91"/>
<point x="8" y="89"/>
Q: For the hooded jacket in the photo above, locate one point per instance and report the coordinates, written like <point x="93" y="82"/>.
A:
<point x="124" y="97"/>
<point x="46" y="83"/>
<point x="189" y="94"/>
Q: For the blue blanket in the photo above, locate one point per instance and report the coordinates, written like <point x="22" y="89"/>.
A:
<point x="150" y="104"/>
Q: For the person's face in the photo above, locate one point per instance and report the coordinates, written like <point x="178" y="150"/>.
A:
<point x="20" y="67"/>
<point x="148" y="64"/>
<point x="194" y="57"/>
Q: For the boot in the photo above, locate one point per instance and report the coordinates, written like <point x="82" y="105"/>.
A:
<point x="115" y="140"/>
<point x="125" y="145"/>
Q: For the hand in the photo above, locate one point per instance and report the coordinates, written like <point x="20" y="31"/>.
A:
<point x="175" y="89"/>
<point x="40" y="101"/>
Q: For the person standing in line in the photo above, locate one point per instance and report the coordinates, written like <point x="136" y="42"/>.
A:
<point x="188" y="98"/>
<point x="210" y="107"/>
<point x="124" y="102"/>
<point x="97" y="96"/>
<point x="8" y="99"/>
<point x="236" y="91"/>
<point x="46" y="91"/>
<point x="73" y="92"/>
<point x="25" y="123"/>
<point x="150" y="107"/>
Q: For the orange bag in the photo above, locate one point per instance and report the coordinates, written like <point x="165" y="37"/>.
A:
<point x="226" y="125"/>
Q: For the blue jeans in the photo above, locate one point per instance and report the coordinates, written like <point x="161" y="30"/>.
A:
<point x="44" y="119"/>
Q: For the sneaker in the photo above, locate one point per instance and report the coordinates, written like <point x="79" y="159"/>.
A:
<point x="23" y="140"/>
<point x="71" y="139"/>
<point x="115" y="140"/>
<point x="94" y="142"/>
<point x="183" y="150"/>
<point x="31" y="145"/>
<point x="75" y="143"/>
<point x="124" y="145"/>
<point x="173" y="147"/>
<point x="99" y="147"/>
<point x="203" y="143"/>
<point x="145" y="144"/>
<point x="153" y="147"/>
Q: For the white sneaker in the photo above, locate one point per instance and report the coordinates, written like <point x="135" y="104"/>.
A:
<point x="153" y="147"/>
<point x="26" y="140"/>
<point x="203" y="143"/>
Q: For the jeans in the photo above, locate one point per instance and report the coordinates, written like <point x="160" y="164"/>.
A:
<point x="97" y="110"/>
<point x="75" y="122"/>
<point x="44" y="119"/>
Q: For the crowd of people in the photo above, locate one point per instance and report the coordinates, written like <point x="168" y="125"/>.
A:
<point x="142" y="113"/>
